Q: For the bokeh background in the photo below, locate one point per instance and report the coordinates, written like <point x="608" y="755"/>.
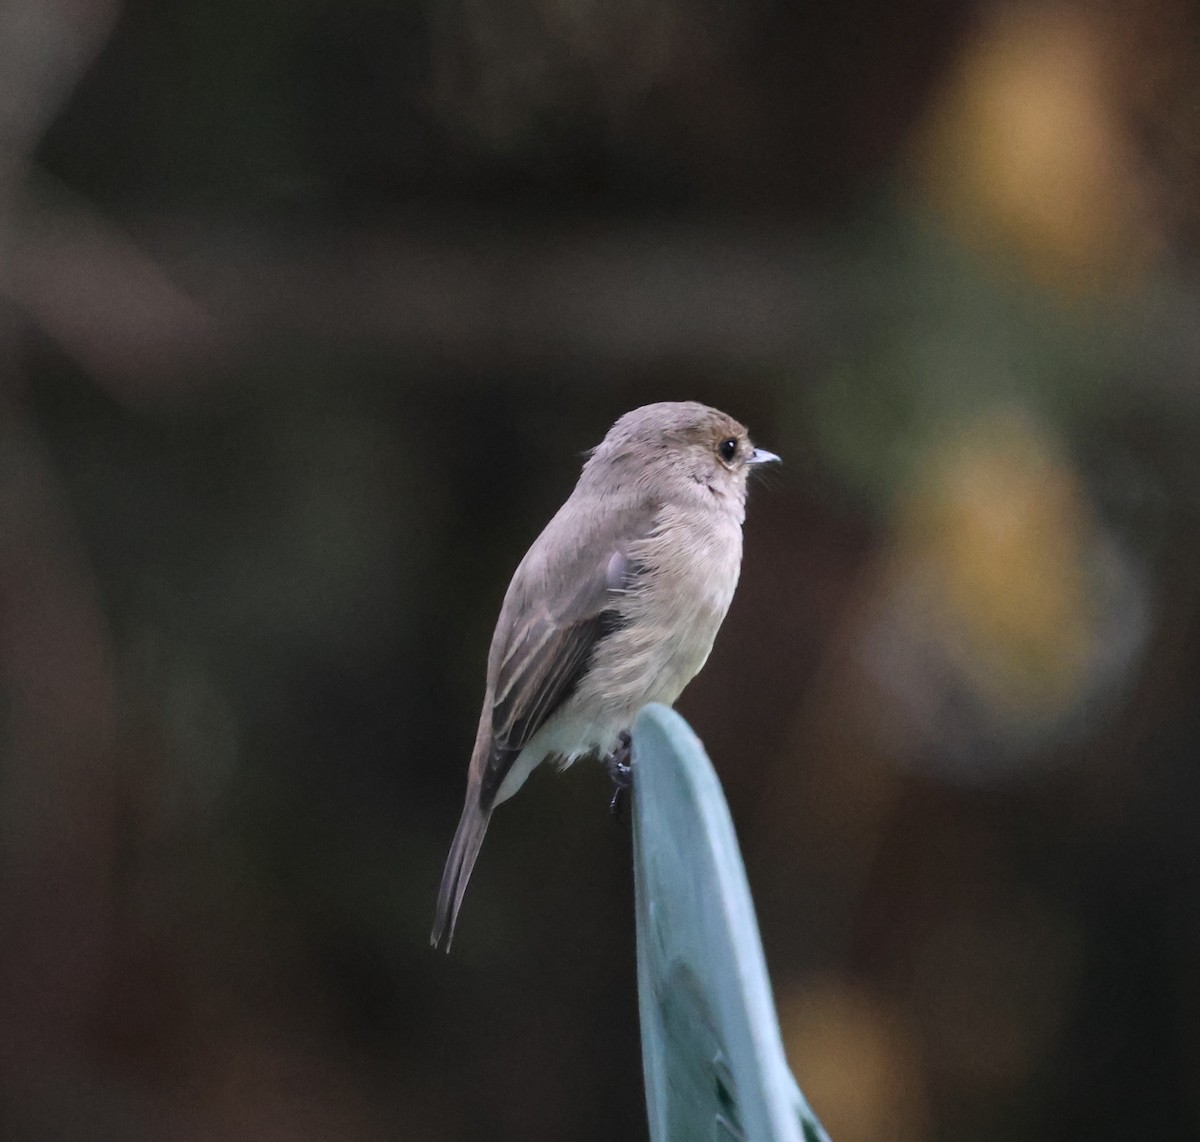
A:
<point x="307" y="313"/>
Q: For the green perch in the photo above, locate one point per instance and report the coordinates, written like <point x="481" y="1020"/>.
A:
<point x="711" y="1049"/>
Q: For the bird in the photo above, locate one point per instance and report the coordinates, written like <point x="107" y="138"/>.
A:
<point x="615" y="605"/>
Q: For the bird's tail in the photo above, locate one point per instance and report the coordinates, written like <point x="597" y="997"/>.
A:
<point x="472" y="826"/>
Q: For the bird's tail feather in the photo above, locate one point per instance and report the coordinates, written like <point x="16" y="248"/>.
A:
<point x="468" y="838"/>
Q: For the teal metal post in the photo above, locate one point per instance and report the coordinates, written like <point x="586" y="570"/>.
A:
<point x="711" y="1049"/>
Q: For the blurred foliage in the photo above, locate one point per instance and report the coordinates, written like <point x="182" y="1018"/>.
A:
<point x="311" y="310"/>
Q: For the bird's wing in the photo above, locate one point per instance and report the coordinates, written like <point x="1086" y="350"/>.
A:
<point x="563" y="603"/>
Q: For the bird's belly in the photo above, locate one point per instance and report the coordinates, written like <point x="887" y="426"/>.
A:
<point x="658" y="651"/>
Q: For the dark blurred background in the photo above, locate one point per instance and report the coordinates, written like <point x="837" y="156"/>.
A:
<point x="307" y="313"/>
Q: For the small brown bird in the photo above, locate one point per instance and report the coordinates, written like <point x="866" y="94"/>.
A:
<point x="616" y="604"/>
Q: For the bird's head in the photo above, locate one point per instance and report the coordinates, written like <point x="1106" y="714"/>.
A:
<point x="682" y="438"/>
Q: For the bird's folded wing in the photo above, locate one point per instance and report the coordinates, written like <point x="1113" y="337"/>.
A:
<point x="551" y="635"/>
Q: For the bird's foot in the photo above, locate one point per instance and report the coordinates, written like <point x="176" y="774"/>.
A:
<point x="617" y="762"/>
<point x="620" y="771"/>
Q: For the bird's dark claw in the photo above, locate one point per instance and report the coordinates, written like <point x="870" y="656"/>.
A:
<point x="619" y="770"/>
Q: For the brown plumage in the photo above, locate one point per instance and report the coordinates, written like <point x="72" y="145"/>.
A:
<point x="616" y="604"/>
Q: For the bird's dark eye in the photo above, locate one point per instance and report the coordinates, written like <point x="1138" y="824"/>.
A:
<point x="727" y="449"/>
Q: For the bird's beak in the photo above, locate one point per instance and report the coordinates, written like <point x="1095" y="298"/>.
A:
<point x="762" y="456"/>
